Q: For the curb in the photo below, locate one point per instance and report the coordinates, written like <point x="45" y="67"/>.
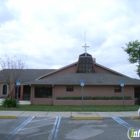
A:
<point x="87" y="118"/>
<point x="8" y="117"/>
<point x="135" y="117"/>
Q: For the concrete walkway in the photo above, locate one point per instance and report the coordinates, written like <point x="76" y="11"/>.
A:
<point x="68" y="114"/>
<point x="65" y="114"/>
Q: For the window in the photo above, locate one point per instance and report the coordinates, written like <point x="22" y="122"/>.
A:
<point x="4" y="90"/>
<point x="117" y="89"/>
<point x="69" y="88"/>
<point x="85" y="65"/>
<point x="43" y="92"/>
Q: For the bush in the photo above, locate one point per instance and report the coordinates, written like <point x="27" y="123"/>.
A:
<point x="95" y="98"/>
<point x="7" y="102"/>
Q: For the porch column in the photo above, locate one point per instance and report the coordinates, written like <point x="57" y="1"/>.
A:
<point x="21" y="92"/>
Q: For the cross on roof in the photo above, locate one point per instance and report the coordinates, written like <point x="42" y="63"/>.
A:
<point x="85" y="49"/>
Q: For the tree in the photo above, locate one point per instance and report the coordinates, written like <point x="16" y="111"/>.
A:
<point x="133" y="50"/>
<point x="11" y="70"/>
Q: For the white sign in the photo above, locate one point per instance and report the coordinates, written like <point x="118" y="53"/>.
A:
<point x="82" y="83"/>
<point x="18" y="82"/>
<point x="122" y="83"/>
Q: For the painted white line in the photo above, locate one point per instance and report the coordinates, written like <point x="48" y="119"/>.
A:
<point x="30" y="120"/>
<point x="123" y="123"/>
<point x="38" y="134"/>
<point x="19" y="127"/>
<point x="53" y="129"/>
<point x="35" y="127"/>
<point x="25" y="123"/>
<point x="57" y="128"/>
<point x="43" y="119"/>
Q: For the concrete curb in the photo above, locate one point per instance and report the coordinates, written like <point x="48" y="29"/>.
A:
<point x="87" y="118"/>
<point x="135" y="117"/>
<point x="8" y="117"/>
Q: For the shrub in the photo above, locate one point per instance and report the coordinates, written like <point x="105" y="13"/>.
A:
<point x="95" y="98"/>
<point x="7" y="102"/>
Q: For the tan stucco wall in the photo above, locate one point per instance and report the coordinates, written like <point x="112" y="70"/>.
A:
<point x="21" y="91"/>
<point x="103" y="70"/>
<point x="43" y="101"/>
<point x="60" y="91"/>
<point x="71" y="69"/>
<point x="1" y="84"/>
<point x="40" y="101"/>
<point x="92" y="102"/>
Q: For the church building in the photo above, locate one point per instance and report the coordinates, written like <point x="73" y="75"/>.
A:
<point x="63" y="86"/>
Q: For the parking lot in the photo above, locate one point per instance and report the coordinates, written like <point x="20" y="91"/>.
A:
<point x="57" y="128"/>
<point x="28" y="128"/>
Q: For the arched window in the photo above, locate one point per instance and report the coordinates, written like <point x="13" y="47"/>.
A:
<point x="4" y="90"/>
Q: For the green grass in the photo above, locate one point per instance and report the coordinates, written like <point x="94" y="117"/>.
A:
<point x="71" y="108"/>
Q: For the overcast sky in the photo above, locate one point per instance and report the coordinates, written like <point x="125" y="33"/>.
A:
<point x="50" y="33"/>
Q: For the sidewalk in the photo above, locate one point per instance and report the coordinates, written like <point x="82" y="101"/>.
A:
<point x="65" y="114"/>
<point x="68" y="114"/>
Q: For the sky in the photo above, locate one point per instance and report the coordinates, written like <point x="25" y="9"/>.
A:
<point x="51" y="33"/>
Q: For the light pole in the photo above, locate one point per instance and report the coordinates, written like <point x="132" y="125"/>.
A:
<point x="122" y="85"/>
<point x="82" y="85"/>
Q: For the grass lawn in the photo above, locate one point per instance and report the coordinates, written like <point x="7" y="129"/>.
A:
<point x="71" y="108"/>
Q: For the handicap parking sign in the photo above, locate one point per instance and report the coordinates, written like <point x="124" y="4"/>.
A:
<point x="18" y="82"/>
<point x="82" y="82"/>
<point x="122" y="83"/>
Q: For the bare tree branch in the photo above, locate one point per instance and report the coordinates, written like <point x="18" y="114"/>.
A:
<point x="12" y="68"/>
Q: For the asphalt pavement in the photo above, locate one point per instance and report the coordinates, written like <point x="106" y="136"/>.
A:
<point x="42" y="125"/>
<point x="59" y="128"/>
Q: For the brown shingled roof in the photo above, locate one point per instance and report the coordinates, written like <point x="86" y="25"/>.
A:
<point x="28" y="74"/>
<point x="89" y="78"/>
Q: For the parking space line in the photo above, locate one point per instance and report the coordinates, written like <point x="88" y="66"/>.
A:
<point x="35" y="127"/>
<point x="123" y="123"/>
<point x="55" y="123"/>
<point x="44" y="119"/>
<point x="38" y="134"/>
<point x="53" y="129"/>
<point x="23" y="124"/>
<point x="17" y="128"/>
<point x="57" y="128"/>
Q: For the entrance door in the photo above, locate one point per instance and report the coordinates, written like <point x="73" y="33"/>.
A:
<point x="26" y="92"/>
